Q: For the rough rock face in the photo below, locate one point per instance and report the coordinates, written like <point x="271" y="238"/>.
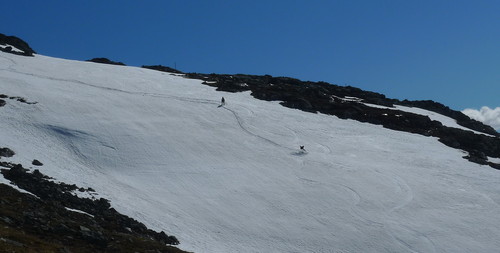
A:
<point x="344" y="102"/>
<point x="15" y="42"/>
<point x="6" y="152"/>
<point x="18" y="99"/>
<point x="106" y="61"/>
<point x="55" y="220"/>
<point x="162" y="68"/>
<point x="37" y="163"/>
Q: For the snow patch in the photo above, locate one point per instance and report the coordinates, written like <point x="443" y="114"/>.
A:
<point x="13" y="49"/>
<point x="346" y="99"/>
<point x="494" y="160"/>
<point x="79" y="211"/>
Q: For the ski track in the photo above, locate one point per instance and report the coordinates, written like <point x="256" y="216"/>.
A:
<point x="185" y="99"/>
<point x="356" y="196"/>
<point x="355" y="206"/>
<point x="9" y="67"/>
<point x="240" y="123"/>
<point x="295" y="137"/>
<point x="408" y="196"/>
<point x="354" y="209"/>
<point x="325" y="148"/>
<point x="430" y="245"/>
<point x="406" y="190"/>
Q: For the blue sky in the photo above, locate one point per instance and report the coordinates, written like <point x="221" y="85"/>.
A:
<point x="447" y="51"/>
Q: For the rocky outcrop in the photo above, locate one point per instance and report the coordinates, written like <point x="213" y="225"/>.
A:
<point x="56" y="220"/>
<point x="12" y="41"/>
<point x="162" y="68"/>
<point x="106" y="61"/>
<point x="37" y="163"/>
<point x="6" y="152"/>
<point x="18" y="99"/>
<point x="344" y="102"/>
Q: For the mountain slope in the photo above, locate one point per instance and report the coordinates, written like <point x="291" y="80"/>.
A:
<point x="55" y="220"/>
<point x="452" y="128"/>
<point x="231" y="179"/>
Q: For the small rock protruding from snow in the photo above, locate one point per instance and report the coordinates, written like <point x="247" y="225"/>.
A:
<point x="37" y="163"/>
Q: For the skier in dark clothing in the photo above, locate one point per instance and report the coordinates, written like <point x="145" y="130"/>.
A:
<point x="222" y="101"/>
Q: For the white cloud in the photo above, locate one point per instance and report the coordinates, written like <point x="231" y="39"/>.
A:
<point x="486" y="115"/>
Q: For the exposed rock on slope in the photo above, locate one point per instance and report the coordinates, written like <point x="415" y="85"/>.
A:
<point x="12" y="41"/>
<point x="106" y="61"/>
<point x="55" y="220"/>
<point x="162" y="68"/>
<point x="6" y="152"/>
<point x="18" y="99"/>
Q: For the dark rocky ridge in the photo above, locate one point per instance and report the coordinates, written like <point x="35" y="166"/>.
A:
<point x="43" y="223"/>
<point x="162" y="68"/>
<point x="106" y="61"/>
<point x="344" y="102"/>
<point x="15" y="42"/>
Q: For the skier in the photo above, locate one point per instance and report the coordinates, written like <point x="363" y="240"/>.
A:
<point x="302" y="149"/>
<point x="222" y="101"/>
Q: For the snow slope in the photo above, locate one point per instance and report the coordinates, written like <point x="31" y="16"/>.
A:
<point x="231" y="179"/>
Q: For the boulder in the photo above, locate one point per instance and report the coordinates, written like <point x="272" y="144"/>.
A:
<point x="6" y="152"/>
<point x="37" y="163"/>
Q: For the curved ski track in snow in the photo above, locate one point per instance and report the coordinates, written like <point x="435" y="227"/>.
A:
<point x="240" y="123"/>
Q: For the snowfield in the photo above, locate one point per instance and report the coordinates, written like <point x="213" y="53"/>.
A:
<point x="232" y="179"/>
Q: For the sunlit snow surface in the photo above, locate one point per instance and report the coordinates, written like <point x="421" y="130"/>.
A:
<point x="231" y="179"/>
<point x="494" y="160"/>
